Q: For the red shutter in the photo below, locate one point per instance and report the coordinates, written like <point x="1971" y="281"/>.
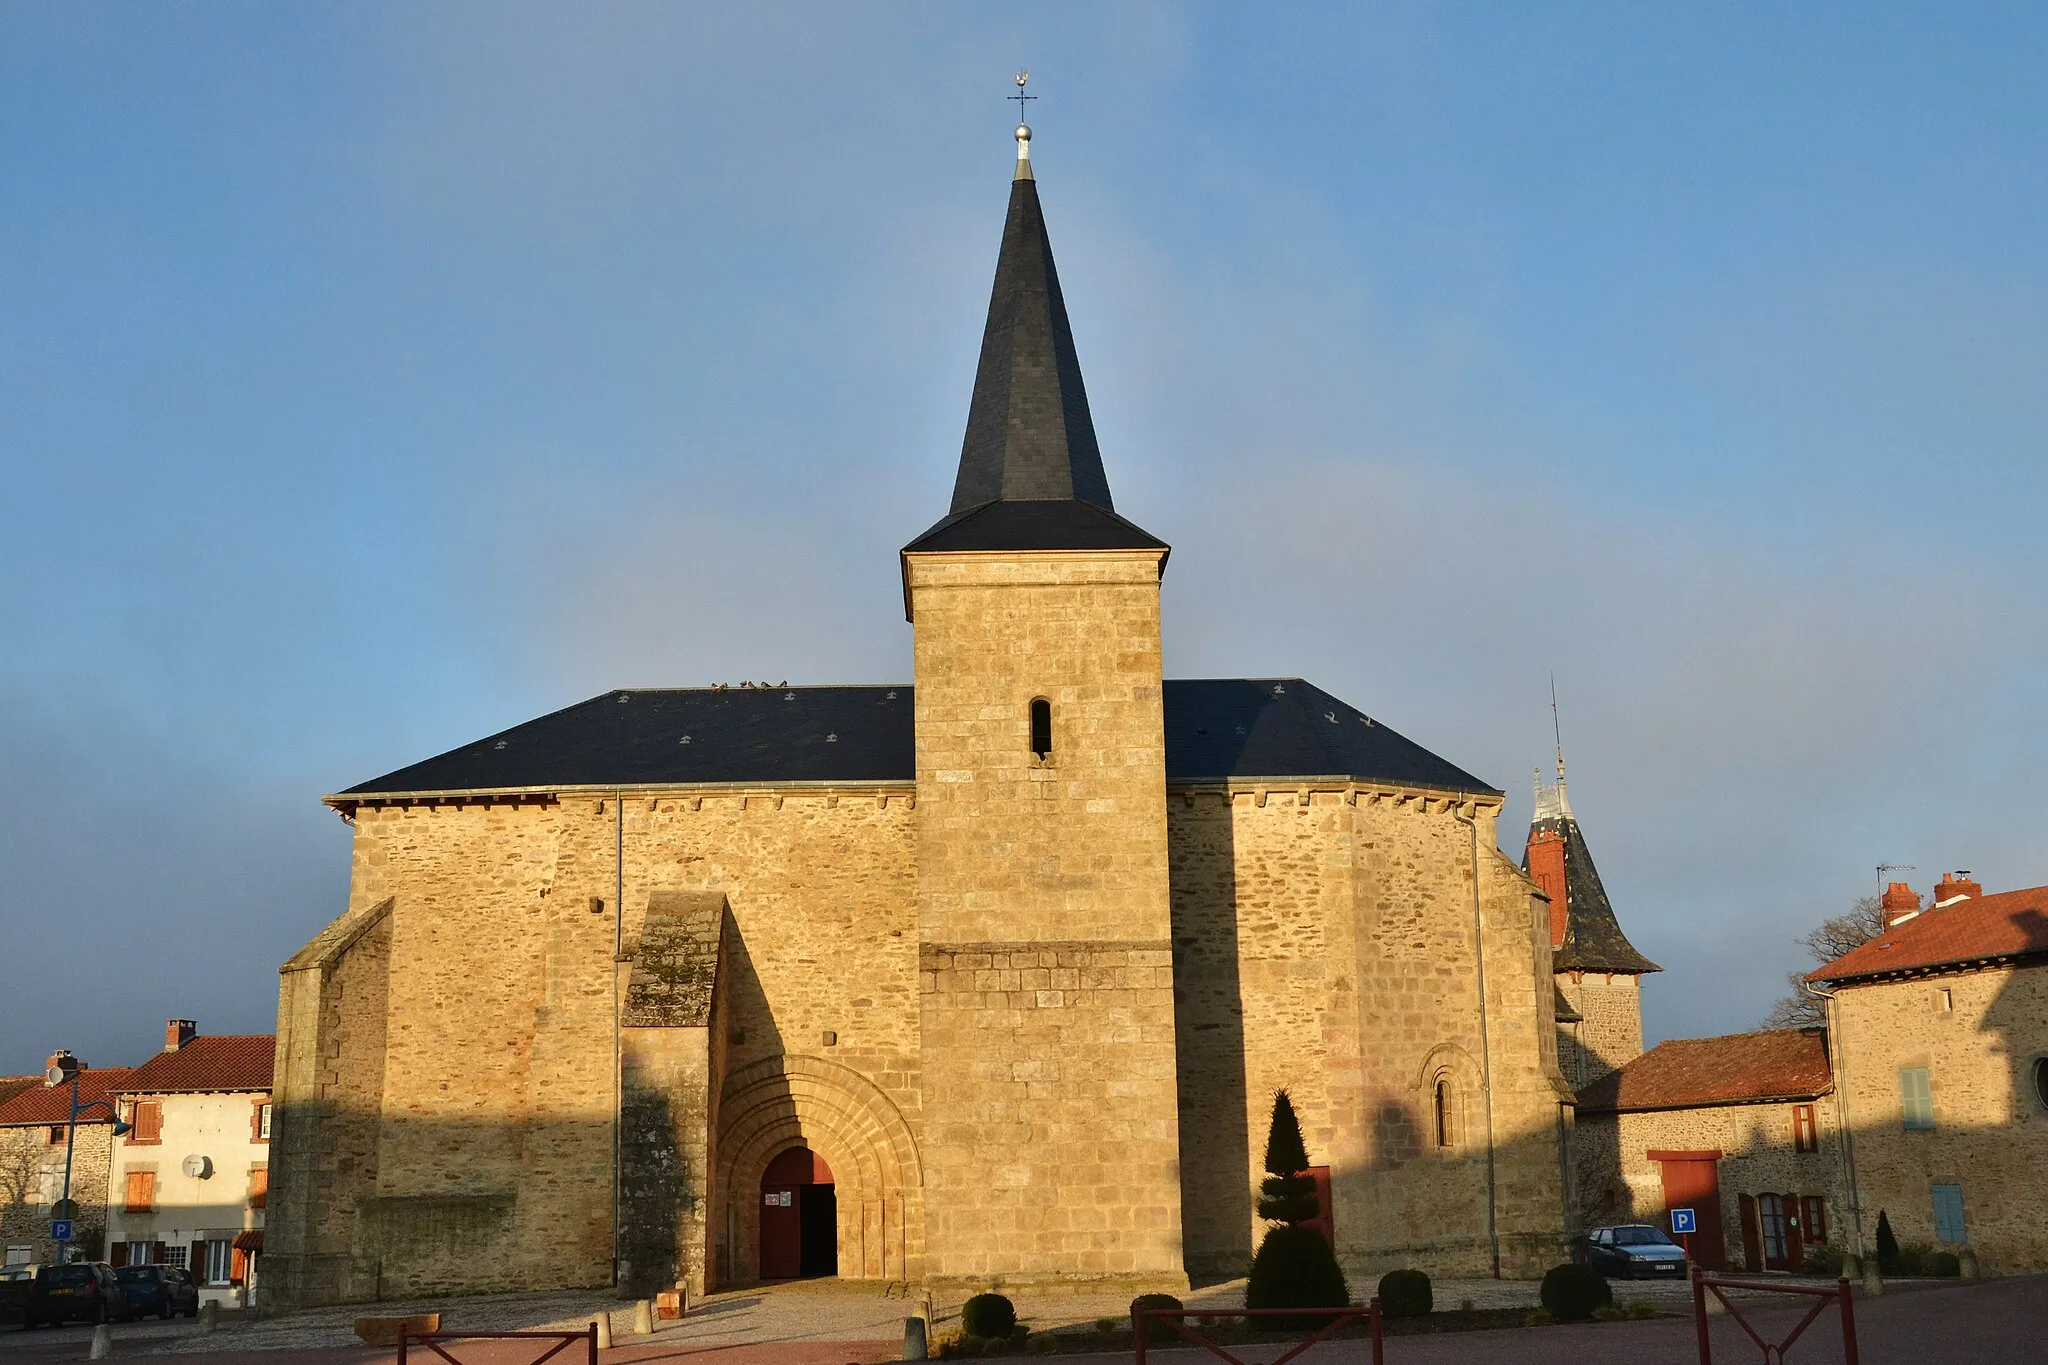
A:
<point x="156" y="1253"/>
<point x="238" y="1272"/>
<point x="141" y="1191"/>
<point x="119" y="1257"/>
<point x="259" y="1187"/>
<point x="196" y="1262"/>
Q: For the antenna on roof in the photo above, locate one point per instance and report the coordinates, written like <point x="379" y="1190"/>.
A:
<point x="1555" y="732"/>
<point x="1885" y="869"/>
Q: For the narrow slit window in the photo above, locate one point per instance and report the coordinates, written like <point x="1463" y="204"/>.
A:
<point x="1041" y="728"/>
<point x="1443" y="1113"/>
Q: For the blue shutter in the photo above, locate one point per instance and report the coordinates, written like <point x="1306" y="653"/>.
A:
<point x="1948" y="1214"/>
<point x="1916" y="1097"/>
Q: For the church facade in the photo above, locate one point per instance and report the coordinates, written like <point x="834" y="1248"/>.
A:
<point x="981" y="980"/>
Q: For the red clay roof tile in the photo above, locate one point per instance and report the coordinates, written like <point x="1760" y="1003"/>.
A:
<point x="1737" y="1068"/>
<point x="44" y="1104"/>
<point x="2008" y="924"/>
<point x="226" y="1062"/>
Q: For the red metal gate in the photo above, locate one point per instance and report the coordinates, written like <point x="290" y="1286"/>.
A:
<point x="563" y="1341"/>
<point x="1773" y="1351"/>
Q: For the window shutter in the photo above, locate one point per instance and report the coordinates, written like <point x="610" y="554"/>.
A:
<point x="148" y="1121"/>
<point x="1948" y="1214"/>
<point x="156" y="1253"/>
<point x="259" y="1187"/>
<point x="196" y="1263"/>
<point x="119" y="1255"/>
<point x="141" y="1191"/>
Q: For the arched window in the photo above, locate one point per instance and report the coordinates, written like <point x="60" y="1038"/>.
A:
<point x="1041" y="728"/>
<point x="1441" y="1111"/>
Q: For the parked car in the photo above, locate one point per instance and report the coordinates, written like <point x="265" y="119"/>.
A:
<point x="1631" y="1251"/>
<point x="165" y="1290"/>
<point x="83" y="1289"/>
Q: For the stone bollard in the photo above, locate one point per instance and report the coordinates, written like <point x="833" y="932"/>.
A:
<point x="102" y="1343"/>
<point x="1873" y="1282"/>
<point x="1715" y="1308"/>
<point x="604" y="1330"/>
<point x="209" y="1315"/>
<point x="914" y="1339"/>
<point x="643" y="1317"/>
<point x="1966" y="1259"/>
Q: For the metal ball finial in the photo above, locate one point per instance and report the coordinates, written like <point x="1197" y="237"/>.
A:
<point x="1023" y="132"/>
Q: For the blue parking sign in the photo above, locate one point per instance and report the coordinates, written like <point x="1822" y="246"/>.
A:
<point x="1682" y="1221"/>
<point x="60" y="1230"/>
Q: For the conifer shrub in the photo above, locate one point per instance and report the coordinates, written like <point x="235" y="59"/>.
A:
<point x="1571" y="1292"/>
<point x="1887" y="1245"/>
<point x="1405" y="1294"/>
<point x="1155" y="1332"/>
<point x="990" y="1316"/>
<point x="1294" y="1266"/>
<point x="1041" y="1344"/>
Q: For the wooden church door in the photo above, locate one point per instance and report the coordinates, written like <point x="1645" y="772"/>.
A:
<point x="799" y="1217"/>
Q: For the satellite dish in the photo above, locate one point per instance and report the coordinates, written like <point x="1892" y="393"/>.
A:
<point x="197" y="1166"/>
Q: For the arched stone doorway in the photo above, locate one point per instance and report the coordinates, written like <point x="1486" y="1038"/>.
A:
<point x="799" y="1217"/>
<point x="845" y="1123"/>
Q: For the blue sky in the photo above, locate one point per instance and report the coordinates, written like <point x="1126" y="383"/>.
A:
<point x="377" y="376"/>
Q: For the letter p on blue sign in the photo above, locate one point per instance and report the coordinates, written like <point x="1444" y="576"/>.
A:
<point x="1682" y="1221"/>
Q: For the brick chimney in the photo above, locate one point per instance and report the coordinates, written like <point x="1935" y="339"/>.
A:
<point x="178" y="1032"/>
<point x="62" y="1060"/>
<point x="1899" y="901"/>
<point x="1956" y="886"/>
<point x="1546" y="869"/>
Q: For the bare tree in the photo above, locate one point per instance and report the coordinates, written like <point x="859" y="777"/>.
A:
<point x="1834" y="937"/>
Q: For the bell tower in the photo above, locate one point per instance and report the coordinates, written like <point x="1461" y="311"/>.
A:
<point x="1051" y="1137"/>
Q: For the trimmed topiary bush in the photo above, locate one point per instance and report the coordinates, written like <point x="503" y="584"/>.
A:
<point x="1041" y="1344"/>
<point x="988" y="1316"/>
<point x="1572" y="1292"/>
<point x="1295" y="1266"/>
<point x="1155" y="1332"/>
<point x="1405" y="1294"/>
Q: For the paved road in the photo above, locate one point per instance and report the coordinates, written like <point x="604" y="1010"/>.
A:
<point x="823" y="1323"/>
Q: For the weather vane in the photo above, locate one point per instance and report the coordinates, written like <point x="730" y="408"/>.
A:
<point x="1020" y="96"/>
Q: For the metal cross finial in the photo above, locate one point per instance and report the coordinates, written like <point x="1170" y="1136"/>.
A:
<point x="1020" y="96"/>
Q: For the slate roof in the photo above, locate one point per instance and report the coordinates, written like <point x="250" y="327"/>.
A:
<point x="1738" y="1068"/>
<point x="1593" y="941"/>
<point x="46" y="1104"/>
<point x="1031" y="475"/>
<point x="1216" y="729"/>
<point x="2009" y="924"/>
<point x="208" y="1063"/>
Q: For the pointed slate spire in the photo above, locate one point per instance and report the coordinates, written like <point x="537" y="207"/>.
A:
<point x="1030" y="473"/>
<point x="1585" y="935"/>
<point x="1029" y="435"/>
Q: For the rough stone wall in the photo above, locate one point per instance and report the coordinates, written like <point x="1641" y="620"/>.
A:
<point x="32" y="1179"/>
<point x="327" y="1112"/>
<point x="492" y="1096"/>
<point x="1618" y="1183"/>
<point x="1324" y="942"/>
<point x="1056" y="1156"/>
<point x="1991" y="1128"/>
<point x="1610" y="1033"/>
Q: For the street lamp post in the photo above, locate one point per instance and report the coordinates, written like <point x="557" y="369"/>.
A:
<point x="64" y="1067"/>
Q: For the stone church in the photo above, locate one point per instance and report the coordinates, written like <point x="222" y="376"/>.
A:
<point x="982" y="979"/>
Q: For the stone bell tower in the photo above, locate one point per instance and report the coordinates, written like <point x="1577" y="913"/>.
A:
<point x="1051" y="1131"/>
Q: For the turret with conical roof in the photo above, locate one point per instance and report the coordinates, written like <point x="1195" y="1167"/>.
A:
<point x="1598" y="969"/>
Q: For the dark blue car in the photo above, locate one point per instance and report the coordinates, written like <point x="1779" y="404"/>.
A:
<point x="164" y="1290"/>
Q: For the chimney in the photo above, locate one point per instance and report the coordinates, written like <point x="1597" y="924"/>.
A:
<point x="178" y="1032"/>
<point x="1900" y="903"/>
<point x="62" y="1060"/>
<point x="1956" y="886"/>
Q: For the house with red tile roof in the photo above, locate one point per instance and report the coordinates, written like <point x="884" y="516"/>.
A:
<point x="33" y="1138"/>
<point x="1735" y="1128"/>
<point x="191" y="1178"/>
<point x="1940" y="1060"/>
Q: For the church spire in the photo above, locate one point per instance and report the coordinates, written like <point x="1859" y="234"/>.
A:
<point x="1029" y="435"/>
<point x="1030" y="475"/>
